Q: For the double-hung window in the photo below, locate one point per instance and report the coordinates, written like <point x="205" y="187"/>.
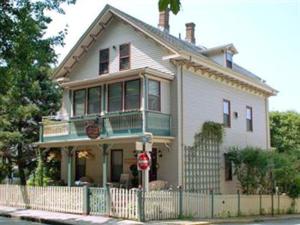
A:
<point x="124" y="56"/>
<point x="226" y="113"/>
<point x="94" y="100"/>
<point x="154" y="95"/>
<point x="79" y="100"/>
<point x="249" y="118"/>
<point x="229" y="60"/>
<point x="115" y="97"/>
<point x="103" y="61"/>
<point x="132" y="94"/>
<point x="87" y="101"/>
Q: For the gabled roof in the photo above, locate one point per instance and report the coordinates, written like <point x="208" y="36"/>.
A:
<point x="178" y="46"/>
<point x="218" y="49"/>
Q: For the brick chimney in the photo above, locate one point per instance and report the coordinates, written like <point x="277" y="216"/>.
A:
<point x="190" y="33"/>
<point x="163" y="23"/>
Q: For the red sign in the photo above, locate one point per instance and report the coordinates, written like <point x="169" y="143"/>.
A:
<point x="143" y="161"/>
<point x="92" y="131"/>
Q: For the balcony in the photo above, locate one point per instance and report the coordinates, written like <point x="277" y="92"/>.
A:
<point x="119" y="124"/>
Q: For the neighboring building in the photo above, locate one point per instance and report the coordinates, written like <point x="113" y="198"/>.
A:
<point x="132" y="78"/>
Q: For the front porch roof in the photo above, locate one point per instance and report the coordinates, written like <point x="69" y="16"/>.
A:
<point x="118" y="75"/>
<point x="110" y="140"/>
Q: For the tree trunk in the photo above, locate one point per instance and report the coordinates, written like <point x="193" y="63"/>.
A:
<point x="21" y="166"/>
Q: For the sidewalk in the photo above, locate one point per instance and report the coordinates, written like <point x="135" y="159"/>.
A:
<point x="73" y="219"/>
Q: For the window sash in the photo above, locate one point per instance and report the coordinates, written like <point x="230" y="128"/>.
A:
<point x="115" y="97"/>
<point x="104" y="61"/>
<point x="154" y="97"/>
<point x="124" y="59"/>
<point x="94" y="100"/>
<point x="132" y="94"/>
<point x="79" y="102"/>
<point x="249" y="118"/>
<point x="226" y="113"/>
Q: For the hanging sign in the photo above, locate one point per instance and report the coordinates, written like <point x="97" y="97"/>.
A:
<point x="92" y="130"/>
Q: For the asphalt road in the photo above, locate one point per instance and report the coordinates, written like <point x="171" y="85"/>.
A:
<point x="10" y="221"/>
<point x="279" y="222"/>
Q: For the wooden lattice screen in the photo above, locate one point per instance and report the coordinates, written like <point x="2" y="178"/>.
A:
<point x="202" y="165"/>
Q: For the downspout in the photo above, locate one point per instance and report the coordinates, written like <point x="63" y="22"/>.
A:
<point x="181" y="109"/>
<point x="267" y="123"/>
<point x="143" y="103"/>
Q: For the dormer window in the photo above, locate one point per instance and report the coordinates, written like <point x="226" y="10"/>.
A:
<point x="229" y="60"/>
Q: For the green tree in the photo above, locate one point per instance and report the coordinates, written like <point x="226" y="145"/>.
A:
<point x="173" y="5"/>
<point x="27" y="92"/>
<point x="285" y="131"/>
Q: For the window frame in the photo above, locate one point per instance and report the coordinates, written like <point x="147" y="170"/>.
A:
<point x="159" y="95"/>
<point x="229" y="62"/>
<point x="125" y="93"/>
<point x="127" y="56"/>
<point x="122" y="96"/>
<point x="229" y="113"/>
<point x="251" y="110"/>
<point x="88" y="99"/>
<point x="107" y="61"/>
<point x="74" y="101"/>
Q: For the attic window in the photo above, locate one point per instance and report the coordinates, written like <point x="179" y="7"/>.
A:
<point x="103" y="61"/>
<point x="124" y="57"/>
<point x="229" y="60"/>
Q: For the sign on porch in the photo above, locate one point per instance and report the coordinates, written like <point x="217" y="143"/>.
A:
<point x="143" y="161"/>
<point x="92" y="130"/>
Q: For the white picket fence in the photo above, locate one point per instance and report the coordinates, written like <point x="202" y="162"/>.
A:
<point x="134" y="204"/>
<point x="59" y="199"/>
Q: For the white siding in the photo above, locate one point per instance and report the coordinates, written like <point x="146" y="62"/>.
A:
<point x="203" y="101"/>
<point x="144" y="52"/>
<point x="219" y="58"/>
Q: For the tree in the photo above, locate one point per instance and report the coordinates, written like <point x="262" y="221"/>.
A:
<point x="173" y="5"/>
<point x="27" y="92"/>
<point x="285" y="131"/>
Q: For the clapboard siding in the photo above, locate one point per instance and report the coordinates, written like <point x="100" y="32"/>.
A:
<point x="144" y="52"/>
<point x="203" y="101"/>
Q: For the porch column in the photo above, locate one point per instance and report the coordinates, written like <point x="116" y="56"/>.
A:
<point x="104" y="164"/>
<point x="70" y="163"/>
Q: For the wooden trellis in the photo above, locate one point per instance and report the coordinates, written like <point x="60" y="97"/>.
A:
<point x="202" y="165"/>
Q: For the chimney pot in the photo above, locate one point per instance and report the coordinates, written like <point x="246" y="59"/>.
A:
<point x="190" y="33"/>
<point x="163" y="23"/>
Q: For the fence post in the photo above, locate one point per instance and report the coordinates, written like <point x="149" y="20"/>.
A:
<point x="272" y="203"/>
<point x="239" y="203"/>
<point x="260" y="204"/>
<point x="278" y="202"/>
<point x="180" y="201"/>
<point x="141" y="216"/>
<point x="86" y="200"/>
<point x="212" y="203"/>
<point x="107" y="192"/>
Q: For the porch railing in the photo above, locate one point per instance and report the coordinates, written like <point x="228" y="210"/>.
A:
<point x="111" y="124"/>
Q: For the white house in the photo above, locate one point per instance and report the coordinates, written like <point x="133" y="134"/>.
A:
<point x="128" y="79"/>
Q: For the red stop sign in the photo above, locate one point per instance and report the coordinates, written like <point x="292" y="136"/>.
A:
<point x="143" y="161"/>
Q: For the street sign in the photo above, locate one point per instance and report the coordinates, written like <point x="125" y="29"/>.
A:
<point x="143" y="161"/>
<point x="139" y="146"/>
<point x="148" y="147"/>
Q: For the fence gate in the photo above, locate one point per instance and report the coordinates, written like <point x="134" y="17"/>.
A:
<point x="202" y="165"/>
<point x="97" y="201"/>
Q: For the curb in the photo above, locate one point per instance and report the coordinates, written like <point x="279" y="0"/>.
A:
<point x="34" y="219"/>
<point x="254" y="220"/>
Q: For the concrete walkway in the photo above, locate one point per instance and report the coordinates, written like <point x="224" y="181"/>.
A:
<point x="73" y="219"/>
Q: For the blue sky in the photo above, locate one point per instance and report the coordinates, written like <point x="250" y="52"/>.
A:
<point x="265" y="32"/>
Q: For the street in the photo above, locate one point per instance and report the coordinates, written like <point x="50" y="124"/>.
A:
<point x="11" y="221"/>
<point x="281" y="222"/>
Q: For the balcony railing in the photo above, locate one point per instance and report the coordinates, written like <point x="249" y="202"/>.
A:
<point x="111" y="125"/>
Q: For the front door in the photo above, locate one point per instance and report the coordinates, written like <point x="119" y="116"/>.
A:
<point x="153" y="168"/>
<point x="116" y="165"/>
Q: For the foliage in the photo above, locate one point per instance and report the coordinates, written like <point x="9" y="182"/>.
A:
<point x="26" y="91"/>
<point x="285" y="130"/>
<point x="214" y="129"/>
<point x="173" y="5"/>
<point x="260" y="170"/>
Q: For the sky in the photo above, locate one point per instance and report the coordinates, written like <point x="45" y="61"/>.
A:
<point x="266" y="34"/>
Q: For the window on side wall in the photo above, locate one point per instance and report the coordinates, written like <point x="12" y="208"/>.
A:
<point x="115" y="98"/>
<point x="132" y="94"/>
<point x="249" y="118"/>
<point x="228" y="167"/>
<point x="94" y="100"/>
<point x="226" y="113"/>
<point x="103" y="61"/>
<point x="124" y="50"/>
<point x="154" y="95"/>
<point x="79" y="107"/>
